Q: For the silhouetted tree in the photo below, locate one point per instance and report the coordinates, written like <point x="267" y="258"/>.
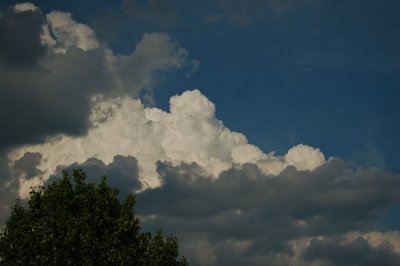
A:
<point x="71" y="222"/>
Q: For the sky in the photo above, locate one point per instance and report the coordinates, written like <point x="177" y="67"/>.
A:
<point x="257" y="132"/>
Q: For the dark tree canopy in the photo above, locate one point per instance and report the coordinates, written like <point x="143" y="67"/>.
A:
<point x="71" y="222"/>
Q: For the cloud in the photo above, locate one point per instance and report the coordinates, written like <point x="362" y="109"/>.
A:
<point x="122" y="172"/>
<point x="26" y="167"/>
<point x="190" y="132"/>
<point x="304" y="157"/>
<point x="8" y="189"/>
<point x="51" y="70"/>
<point x="197" y="179"/>
<point x="23" y="7"/>
<point x="155" y="53"/>
<point x="20" y="29"/>
<point x="311" y="197"/>
<point x="295" y="218"/>
<point x="356" y="252"/>
<point x="54" y="63"/>
<point x="69" y="33"/>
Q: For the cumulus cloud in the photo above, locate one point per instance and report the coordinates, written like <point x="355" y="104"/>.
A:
<point x="190" y="132"/>
<point x="68" y="32"/>
<point x="53" y="62"/>
<point x="51" y="69"/>
<point x="23" y="7"/>
<point x="304" y="157"/>
<point x="122" y="172"/>
<point x="298" y="217"/>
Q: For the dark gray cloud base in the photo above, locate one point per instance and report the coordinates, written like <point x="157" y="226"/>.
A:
<point x="122" y="172"/>
<point x="244" y="217"/>
<point x="20" y="34"/>
<point x="33" y="81"/>
<point x="245" y="205"/>
<point x="356" y="253"/>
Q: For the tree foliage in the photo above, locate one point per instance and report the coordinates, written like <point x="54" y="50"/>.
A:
<point x="71" y="222"/>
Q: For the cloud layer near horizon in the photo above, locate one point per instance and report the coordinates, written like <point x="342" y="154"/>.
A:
<point x="329" y="216"/>
<point x="229" y="202"/>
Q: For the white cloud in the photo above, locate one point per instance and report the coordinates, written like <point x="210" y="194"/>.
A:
<point x="23" y="7"/>
<point x="68" y="33"/>
<point x="190" y="132"/>
<point x="155" y="52"/>
<point x="304" y="157"/>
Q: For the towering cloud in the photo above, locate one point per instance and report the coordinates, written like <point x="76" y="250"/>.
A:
<point x="189" y="133"/>
<point x="51" y="68"/>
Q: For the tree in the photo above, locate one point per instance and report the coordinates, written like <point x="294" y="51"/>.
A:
<point x="71" y="222"/>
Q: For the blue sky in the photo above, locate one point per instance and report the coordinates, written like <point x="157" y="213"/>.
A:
<point x="280" y="72"/>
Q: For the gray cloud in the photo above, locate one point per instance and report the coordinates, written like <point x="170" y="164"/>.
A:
<point x="26" y="168"/>
<point x="359" y="252"/>
<point x="62" y="84"/>
<point x="47" y="81"/>
<point x="122" y="172"/>
<point x="27" y="165"/>
<point x="256" y="216"/>
<point x="8" y="189"/>
<point x="20" y="34"/>
<point x="245" y="217"/>
<point x="64" y="75"/>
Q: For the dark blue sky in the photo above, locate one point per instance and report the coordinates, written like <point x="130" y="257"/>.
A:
<point x="323" y="73"/>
